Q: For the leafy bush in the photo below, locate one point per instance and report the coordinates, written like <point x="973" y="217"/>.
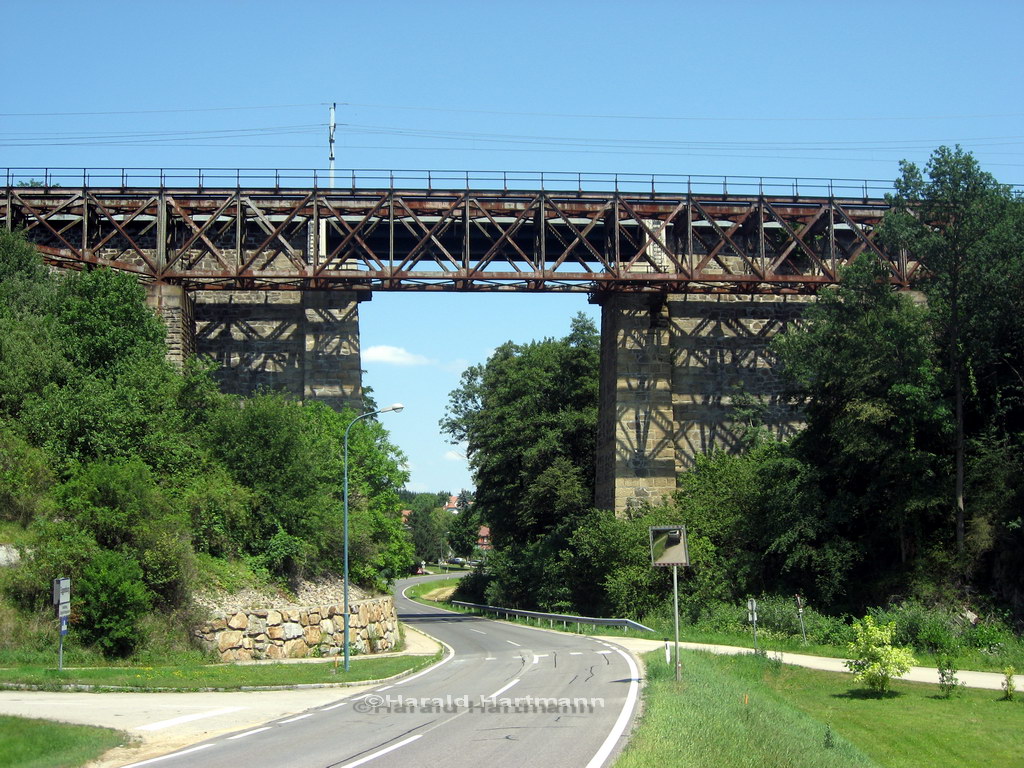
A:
<point x="1009" y="684"/>
<point x="874" y="660"/>
<point x="472" y="587"/>
<point x="112" y="598"/>
<point x="949" y="683"/>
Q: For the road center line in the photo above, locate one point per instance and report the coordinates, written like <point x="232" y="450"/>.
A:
<point x="299" y="717"/>
<point x="335" y="706"/>
<point x="517" y="645"/>
<point x="384" y="751"/>
<point x="479" y="632"/>
<point x="187" y="719"/>
<point x="248" y="733"/>
<point x="575" y="653"/>
<point x="501" y="690"/>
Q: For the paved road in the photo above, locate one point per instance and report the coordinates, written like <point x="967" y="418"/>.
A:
<point x="504" y="696"/>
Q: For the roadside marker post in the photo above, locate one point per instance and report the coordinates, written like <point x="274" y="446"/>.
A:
<point x="800" y="614"/>
<point x="752" y="618"/>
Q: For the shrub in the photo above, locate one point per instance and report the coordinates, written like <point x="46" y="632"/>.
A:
<point x="930" y="629"/>
<point x="112" y="599"/>
<point x="1009" y="684"/>
<point x="874" y="660"/>
<point x="948" y="681"/>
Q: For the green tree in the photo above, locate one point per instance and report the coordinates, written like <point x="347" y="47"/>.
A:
<point x="112" y="599"/>
<point x="874" y="661"/>
<point x="104" y="319"/>
<point x="464" y="531"/>
<point x="429" y="531"/>
<point x="520" y="412"/>
<point x="25" y="479"/>
<point x="965" y="229"/>
<point x="863" y="367"/>
<point x="528" y="416"/>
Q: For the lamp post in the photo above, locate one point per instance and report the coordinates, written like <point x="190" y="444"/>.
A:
<point x="397" y="408"/>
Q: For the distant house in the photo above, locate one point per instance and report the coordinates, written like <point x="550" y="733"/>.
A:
<point x="452" y="505"/>
<point x="405" y="516"/>
<point x="483" y="537"/>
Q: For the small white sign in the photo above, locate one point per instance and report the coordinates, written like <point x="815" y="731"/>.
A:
<point x="61" y="591"/>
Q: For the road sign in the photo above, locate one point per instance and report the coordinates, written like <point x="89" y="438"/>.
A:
<point x="752" y="610"/>
<point x="62" y="596"/>
<point x="63" y="626"/>
<point x="61" y="591"/>
<point x="668" y="545"/>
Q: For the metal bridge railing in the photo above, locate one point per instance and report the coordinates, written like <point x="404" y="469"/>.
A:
<point x="553" y="617"/>
<point x="371" y="178"/>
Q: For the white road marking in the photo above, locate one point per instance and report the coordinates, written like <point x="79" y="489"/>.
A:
<point x="335" y="706"/>
<point x="501" y="690"/>
<point x="512" y="643"/>
<point x="248" y="733"/>
<point x="385" y="687"/>
<point x="491" y="658"/>
<point x="384" y="751"/>
<point x="604" y="652"/>
<point x="293" y="719"/>
<point x="538" y="656"/>
<point x="623" y="720"/>
<point x="166" y="757"/>
<point x="425" y="671"/>
<point x="575" y="653"/>
<point x="187" y="719"/>
<point x="476" y="630"/>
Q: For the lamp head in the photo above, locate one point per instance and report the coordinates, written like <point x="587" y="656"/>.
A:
<point x="397" y="408"/>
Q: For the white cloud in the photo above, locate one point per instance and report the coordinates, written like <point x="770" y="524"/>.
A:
<point x="394" y="356"/>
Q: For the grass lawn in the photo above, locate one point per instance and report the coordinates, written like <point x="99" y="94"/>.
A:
<point x="417" y="591"/>
<point x="912" y="726"/>
<point x="749" y="711"/>
<point x="220" y="676"/>
<point x="31" y="743"/>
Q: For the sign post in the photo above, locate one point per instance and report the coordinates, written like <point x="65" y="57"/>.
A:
<point x="62" y="607"/>
<point x="669" y="548"/>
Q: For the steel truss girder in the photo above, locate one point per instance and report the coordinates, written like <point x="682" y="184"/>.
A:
<point x="431" y="240"/>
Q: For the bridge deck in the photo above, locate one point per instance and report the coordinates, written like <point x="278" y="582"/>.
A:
<point x="452" y="239"/>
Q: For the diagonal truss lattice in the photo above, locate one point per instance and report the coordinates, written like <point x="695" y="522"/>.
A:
<point x="428" y="239"/>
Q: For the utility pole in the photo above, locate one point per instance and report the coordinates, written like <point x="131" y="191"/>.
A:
<point x="330" y="140"/>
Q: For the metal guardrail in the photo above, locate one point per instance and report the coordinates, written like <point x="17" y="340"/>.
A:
<point x="553" y="617"/>
<point x="375" y="178"/>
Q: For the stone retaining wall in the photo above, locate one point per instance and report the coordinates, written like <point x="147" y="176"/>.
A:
<point x="270" y="633"/>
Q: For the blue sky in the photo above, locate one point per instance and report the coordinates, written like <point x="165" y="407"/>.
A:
<point x="805" y="89"/>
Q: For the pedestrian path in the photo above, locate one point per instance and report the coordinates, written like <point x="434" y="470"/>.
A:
<point x="987" y="680"/>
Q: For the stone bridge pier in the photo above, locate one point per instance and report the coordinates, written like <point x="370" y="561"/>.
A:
<point x="302" y="342"/>
<point x="671" y="367"/>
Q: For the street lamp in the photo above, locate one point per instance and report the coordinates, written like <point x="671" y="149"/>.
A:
<point x="397" y="408"/>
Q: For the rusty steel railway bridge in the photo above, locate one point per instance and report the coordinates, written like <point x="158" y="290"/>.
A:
<point x="455" y="231"/>
<point x="263" y="272"/>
